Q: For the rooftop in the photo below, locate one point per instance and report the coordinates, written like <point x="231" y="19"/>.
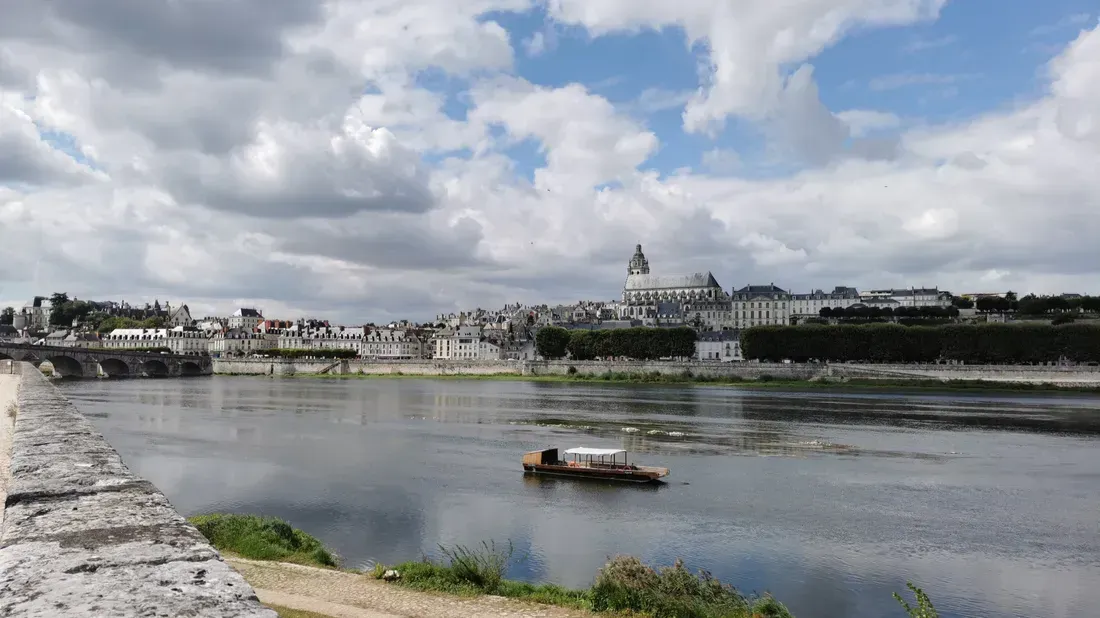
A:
<point x="667" y="282"/>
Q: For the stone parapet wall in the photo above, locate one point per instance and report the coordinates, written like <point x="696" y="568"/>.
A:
<point x="83" y="536"/>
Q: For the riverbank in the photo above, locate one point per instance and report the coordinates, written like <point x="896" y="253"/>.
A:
<point x="810" y="376"/>
<point x="465" y="582"/>
<point x="816" y="384"/>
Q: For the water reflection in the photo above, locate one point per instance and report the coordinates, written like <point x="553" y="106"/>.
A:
<point x="831" y="501"/>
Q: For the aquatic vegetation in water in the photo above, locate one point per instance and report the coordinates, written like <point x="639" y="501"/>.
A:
<point x="924" y="607"/>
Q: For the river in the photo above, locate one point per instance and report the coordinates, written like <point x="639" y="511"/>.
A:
<point x="830" y="501"/>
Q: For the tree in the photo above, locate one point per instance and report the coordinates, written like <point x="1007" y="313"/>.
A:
<point x="551" y="342"/>
<point x="962" y="303"/>
<point x="826" y="312"/>
<point x="58" y="298"/>
<point x="7" y="316"/>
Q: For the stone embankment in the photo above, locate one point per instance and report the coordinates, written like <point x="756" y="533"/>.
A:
<point x="1069" y="376"/>
<point x="83" y="536"/>
<point x="744" y="371"/>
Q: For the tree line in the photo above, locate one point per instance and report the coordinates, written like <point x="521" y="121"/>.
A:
<point x="865" y="312"/>
<point x="553" y="342"/>
<point x="892" y="343"/>
<point x="1031" y="304"/>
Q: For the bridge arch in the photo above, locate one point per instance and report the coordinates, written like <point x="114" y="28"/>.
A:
<point x="155" y="368"/>
<point x="114" y="368"/>
<point x="65" y="366"/>
<point x="190" y="368"/>
<point x="4" y="356"/>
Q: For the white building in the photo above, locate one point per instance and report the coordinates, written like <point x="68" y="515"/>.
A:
<point x="698" y="294"/>
<point x="810" y="305"/>
<point x="179" y="340"/>
<point x="36" y="315"/>
<point x="912" y="297"/>
<point x="239" y="342"/>
<point x="245" y="318"/>
<point x="442" y="344"/>
<point x="390" y="344"/>
<point x="469" y="343"/>
<point x="720" y="346"/>
<point x="760" y="305"/>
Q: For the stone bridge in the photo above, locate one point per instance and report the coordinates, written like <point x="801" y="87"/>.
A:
<point x="93" y="362"/>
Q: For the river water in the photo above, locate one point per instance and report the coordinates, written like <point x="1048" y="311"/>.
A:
<point x="830" y="501"/>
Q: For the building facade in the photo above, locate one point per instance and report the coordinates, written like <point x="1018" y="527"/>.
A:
<point x="719" y="346"/>
<point x="245" y="317"/>
<point x="391" y="344"/>
<point x="810" y="305"/>
<point x="760" y="305"/>
<point x="179" y="340"/>
<point x="912" y="297"/>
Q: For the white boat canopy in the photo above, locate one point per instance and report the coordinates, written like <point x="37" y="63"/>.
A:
<point x="598" y="452"/>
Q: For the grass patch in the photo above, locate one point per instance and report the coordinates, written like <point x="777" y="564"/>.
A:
<point x="13" y="410"/>
<point x="624" y="586"/>
<point x="262" y="538"/>
<point x="286" y="612"/>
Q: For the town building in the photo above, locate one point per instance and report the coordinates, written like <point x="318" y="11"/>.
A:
<point x="35" y="315"/>
<point x="180" y="316"/>
<point x="760" y="305"/>
<point x="245" y="317"/>
<point x="178" y="340"/>
<point x="390" y="344"/>
<point x="442" y="342"/>
<point x="469" y="343"/>
<point x="810" y="305"/>
<point x="720" y="346"/>
<point x="912" y="297"/>
<point x="699" y="295"/>
<point x="238" y="342"/>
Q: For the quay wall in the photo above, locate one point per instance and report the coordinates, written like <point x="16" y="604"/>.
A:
<point x="84" y="536"/>
<point x="281" y="367"/>
<point x="1049" y="374"/>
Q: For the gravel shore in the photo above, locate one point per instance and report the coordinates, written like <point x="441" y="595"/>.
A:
<point x="347" y="595"/>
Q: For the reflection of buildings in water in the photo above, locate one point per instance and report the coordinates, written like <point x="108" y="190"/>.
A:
<point x="764" y="439"/>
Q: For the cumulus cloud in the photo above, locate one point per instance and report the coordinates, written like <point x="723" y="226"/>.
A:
<point x="358" y="160"/>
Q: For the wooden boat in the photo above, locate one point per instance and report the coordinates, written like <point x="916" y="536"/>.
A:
<point x="591" y="463"/>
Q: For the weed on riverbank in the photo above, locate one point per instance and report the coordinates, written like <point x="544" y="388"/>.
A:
<point x="262" y="538"/>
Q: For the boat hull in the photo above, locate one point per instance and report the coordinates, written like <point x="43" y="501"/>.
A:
<point x="593" y="474"/>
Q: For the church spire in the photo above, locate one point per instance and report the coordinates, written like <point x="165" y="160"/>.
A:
<point x="638" y="264"/>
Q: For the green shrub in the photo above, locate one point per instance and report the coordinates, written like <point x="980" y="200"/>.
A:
<point x="571" y="371"/>
<point x="626" y="584"/>
<point x="262" y="538"/>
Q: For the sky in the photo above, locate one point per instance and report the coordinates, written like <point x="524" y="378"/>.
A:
<point x="367" y="160"/>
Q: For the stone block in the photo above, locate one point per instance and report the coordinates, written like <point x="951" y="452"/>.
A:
<point x="38" y="580"/>
<point x="138" y="513"/>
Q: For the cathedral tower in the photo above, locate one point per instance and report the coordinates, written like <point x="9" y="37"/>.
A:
<point x="638" y="264"/>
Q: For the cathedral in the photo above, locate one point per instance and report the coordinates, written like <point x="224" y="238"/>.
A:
<point x="654" y="299"/>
